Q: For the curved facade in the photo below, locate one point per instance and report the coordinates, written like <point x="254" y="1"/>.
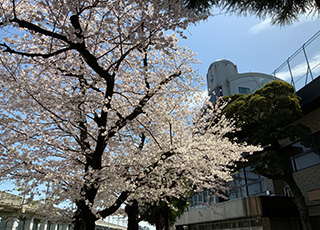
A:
<point x="223" y="79"/>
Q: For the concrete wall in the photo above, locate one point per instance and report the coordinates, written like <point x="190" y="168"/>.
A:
<point x="309" y="179"/>
<point x="223" y="73"/>
<point x="240" y="208"/>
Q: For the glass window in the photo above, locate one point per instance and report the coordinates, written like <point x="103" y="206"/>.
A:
<point x="244" y="90"/>
<point x="234" y="193"/>
<point x="254" y="189"/>
<point x="307" y="160"/>
<point x="303" y="154"/>
<point x="251" y="177"/>
<point x="243" y="190"/>
<point x="191" y="202"/>
<point x="224" y="225"/>
<point x="218" y="91"/>
<point x="246" y="183"/>
<point x="298" y="148"/>
<point x="234" y="224"/>
<point x="216" y="226"/>
<point x="245" y="223"/>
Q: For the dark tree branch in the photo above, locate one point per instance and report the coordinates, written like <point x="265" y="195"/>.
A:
<point x="139" y="108"/>
<point x="143" y="138"/>
<point x="9" y="50"/>
<point x="121" y="199"/>
<point x="32" y="27"/>
<point x="89" y="58"/>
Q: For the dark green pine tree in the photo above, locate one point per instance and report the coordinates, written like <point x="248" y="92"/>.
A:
<point x="265" y="117"/>
<point x="281" y="12"/>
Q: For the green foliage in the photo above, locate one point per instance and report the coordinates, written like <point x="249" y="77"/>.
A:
<point x="264" y="118"/>
<point x="200" y="5"/>
<point x="281" y="12"/>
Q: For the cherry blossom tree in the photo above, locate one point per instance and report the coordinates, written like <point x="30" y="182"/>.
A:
<point x="96" y="105"/>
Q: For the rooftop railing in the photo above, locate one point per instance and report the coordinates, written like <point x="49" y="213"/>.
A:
<point x="303" y="66"/>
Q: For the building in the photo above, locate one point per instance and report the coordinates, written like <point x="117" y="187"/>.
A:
<point x="17" y="214"/>
<point x="223" y="79"/>
<point x="255" y="202"/>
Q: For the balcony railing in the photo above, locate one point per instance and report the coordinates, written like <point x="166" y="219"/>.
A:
<point x="303" y="66"/>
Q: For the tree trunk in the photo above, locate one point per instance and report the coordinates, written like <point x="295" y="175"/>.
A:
<point x="286" y="175"/>
<point x="133" y="215"/>
<point x="166" y="217"/>
<point x="298" y="198"/>
<point x="83" y="219"/>
<point x="160" y="223"/>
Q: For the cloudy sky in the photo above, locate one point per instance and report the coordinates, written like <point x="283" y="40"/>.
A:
<point x="253" y="44"/>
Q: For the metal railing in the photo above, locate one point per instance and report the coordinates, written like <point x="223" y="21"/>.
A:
<point x="303" y="66"/>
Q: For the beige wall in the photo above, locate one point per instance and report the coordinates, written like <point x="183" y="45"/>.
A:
<point x="240" y="208"/>
<point x="309" y="179"/>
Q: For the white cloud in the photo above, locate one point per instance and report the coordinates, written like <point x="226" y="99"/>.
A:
<point x="303" y="19"/>
<point x="264" y="25"/>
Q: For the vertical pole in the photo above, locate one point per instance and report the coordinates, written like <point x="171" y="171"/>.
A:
<point x="15" y="224"/>
<point x="292" y="81"/>
<point x="309" y="69"/>
<point x="45" y="225"/>
<point x="31" y="223"/>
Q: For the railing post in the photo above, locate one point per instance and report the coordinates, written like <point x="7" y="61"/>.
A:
<point x="291" y="75"/>
<point x="309" y="69"/>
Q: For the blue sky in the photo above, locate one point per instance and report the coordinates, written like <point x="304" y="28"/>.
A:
<point x="253" y="44"/>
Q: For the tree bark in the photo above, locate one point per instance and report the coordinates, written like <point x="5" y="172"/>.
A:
<point x="298" y="198"/>
<point x="166" y="217"/>
<point x="84" y="219"/>
<point x="286" y="175"/>
<point x="132" y="211"/>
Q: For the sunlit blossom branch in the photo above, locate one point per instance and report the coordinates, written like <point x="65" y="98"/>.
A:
<point x="151" y="134"/>
<point x="139" y="108"/>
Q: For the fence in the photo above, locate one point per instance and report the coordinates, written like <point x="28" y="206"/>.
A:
<point x="303" y="66"/>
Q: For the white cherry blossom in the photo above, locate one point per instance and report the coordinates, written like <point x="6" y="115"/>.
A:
<point x="95" y="105"/>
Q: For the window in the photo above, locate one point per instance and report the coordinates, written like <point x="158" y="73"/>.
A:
<point x="304" y="155"/>
<point x="246" y="183"/>
<point x="243" y="90"/>
<point x="218" y="91"/>
<point x="211" y="78"/>
<point x="306" y="160"/>
<point x="201" y="198"/>
<point x="287" y="191"/>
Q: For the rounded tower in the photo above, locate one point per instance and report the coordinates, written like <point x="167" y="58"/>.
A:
<point x="218" y="72"/>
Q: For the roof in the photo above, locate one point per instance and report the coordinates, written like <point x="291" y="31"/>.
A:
<point x="310" y="95"/>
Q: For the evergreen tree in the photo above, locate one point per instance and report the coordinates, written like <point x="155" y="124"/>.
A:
<point x="264" y="118"/>
<point x="281" y="12"/>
